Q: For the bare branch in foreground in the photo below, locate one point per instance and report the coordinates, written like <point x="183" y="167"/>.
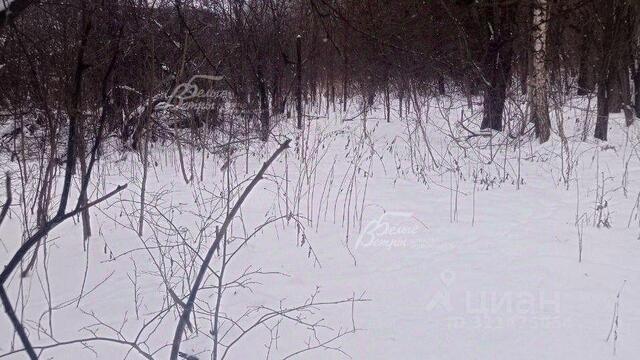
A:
<point x="7" y="204"/>
<point x="186" y="313"/>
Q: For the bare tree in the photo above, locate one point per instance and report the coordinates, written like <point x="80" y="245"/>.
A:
<point x="538" y="83"/>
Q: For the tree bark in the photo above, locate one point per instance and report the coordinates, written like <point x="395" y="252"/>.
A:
<point x="602" y="120"/>
<point x="495" y="91"/>
<point x="345" y="85"/>
<point x="585" y="77"/>
<point x="614" y="92"/>
<point x="614" y="41"/>
<point x="497" y="65"/>
<point x="539" y="83"/>
<point x="636" y="87"/>
<point x="299" y="80"/>
<point x="264" y="105"/>
<point x="441" y="86"/>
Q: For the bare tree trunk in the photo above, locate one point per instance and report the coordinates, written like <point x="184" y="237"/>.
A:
<point x="585" y="73"/>
<point x="400" y="99"/>
<point x="183" y="170"/>
<point x="497" y="65"/>
<point x="615" y="26"/>
<point x="602" y="119"/>
<point x="143" y="187"/>
<point x="636" y="86"/>
<point x="276" y="93"/>
<point x="264" y="105"/>
<point x="635" y="64"/>
<point x="538" y="91"/>
<point x="299" y="80"/>
<point x="82" y="150"/>
<point x="524" y="72"/>
<point x="345" y="85"/>
<point x="495" y="92"/>
<point x="441" y="87"/>
<point x="614" y="92"/>
<point x="387" y="102"/>
<point x="625" y="86"/>
<point x="74" y="113"/>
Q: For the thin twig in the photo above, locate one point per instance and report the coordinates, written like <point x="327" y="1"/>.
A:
<point x="186" y="313"/>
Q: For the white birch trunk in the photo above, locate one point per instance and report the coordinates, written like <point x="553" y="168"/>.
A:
<point x="538" y="84"/>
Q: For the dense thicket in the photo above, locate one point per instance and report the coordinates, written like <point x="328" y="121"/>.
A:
<point x="120" y="59"/>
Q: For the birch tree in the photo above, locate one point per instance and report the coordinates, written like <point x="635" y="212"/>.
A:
<point x="538" y="86"/>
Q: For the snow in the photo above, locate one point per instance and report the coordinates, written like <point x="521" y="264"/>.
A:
<point x="499" y="278"/>
<point x="4" y="4"/>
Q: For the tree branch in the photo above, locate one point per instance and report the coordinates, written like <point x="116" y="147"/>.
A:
<point x="7" y="204"/>
<point x="186" y="313"/>
<point x="45" y="229"/>
<point x="16" y="324"/>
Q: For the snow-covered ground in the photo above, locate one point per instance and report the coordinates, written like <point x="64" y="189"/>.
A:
<point x="4" y="4"/>
<point x="475" y="256"/>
